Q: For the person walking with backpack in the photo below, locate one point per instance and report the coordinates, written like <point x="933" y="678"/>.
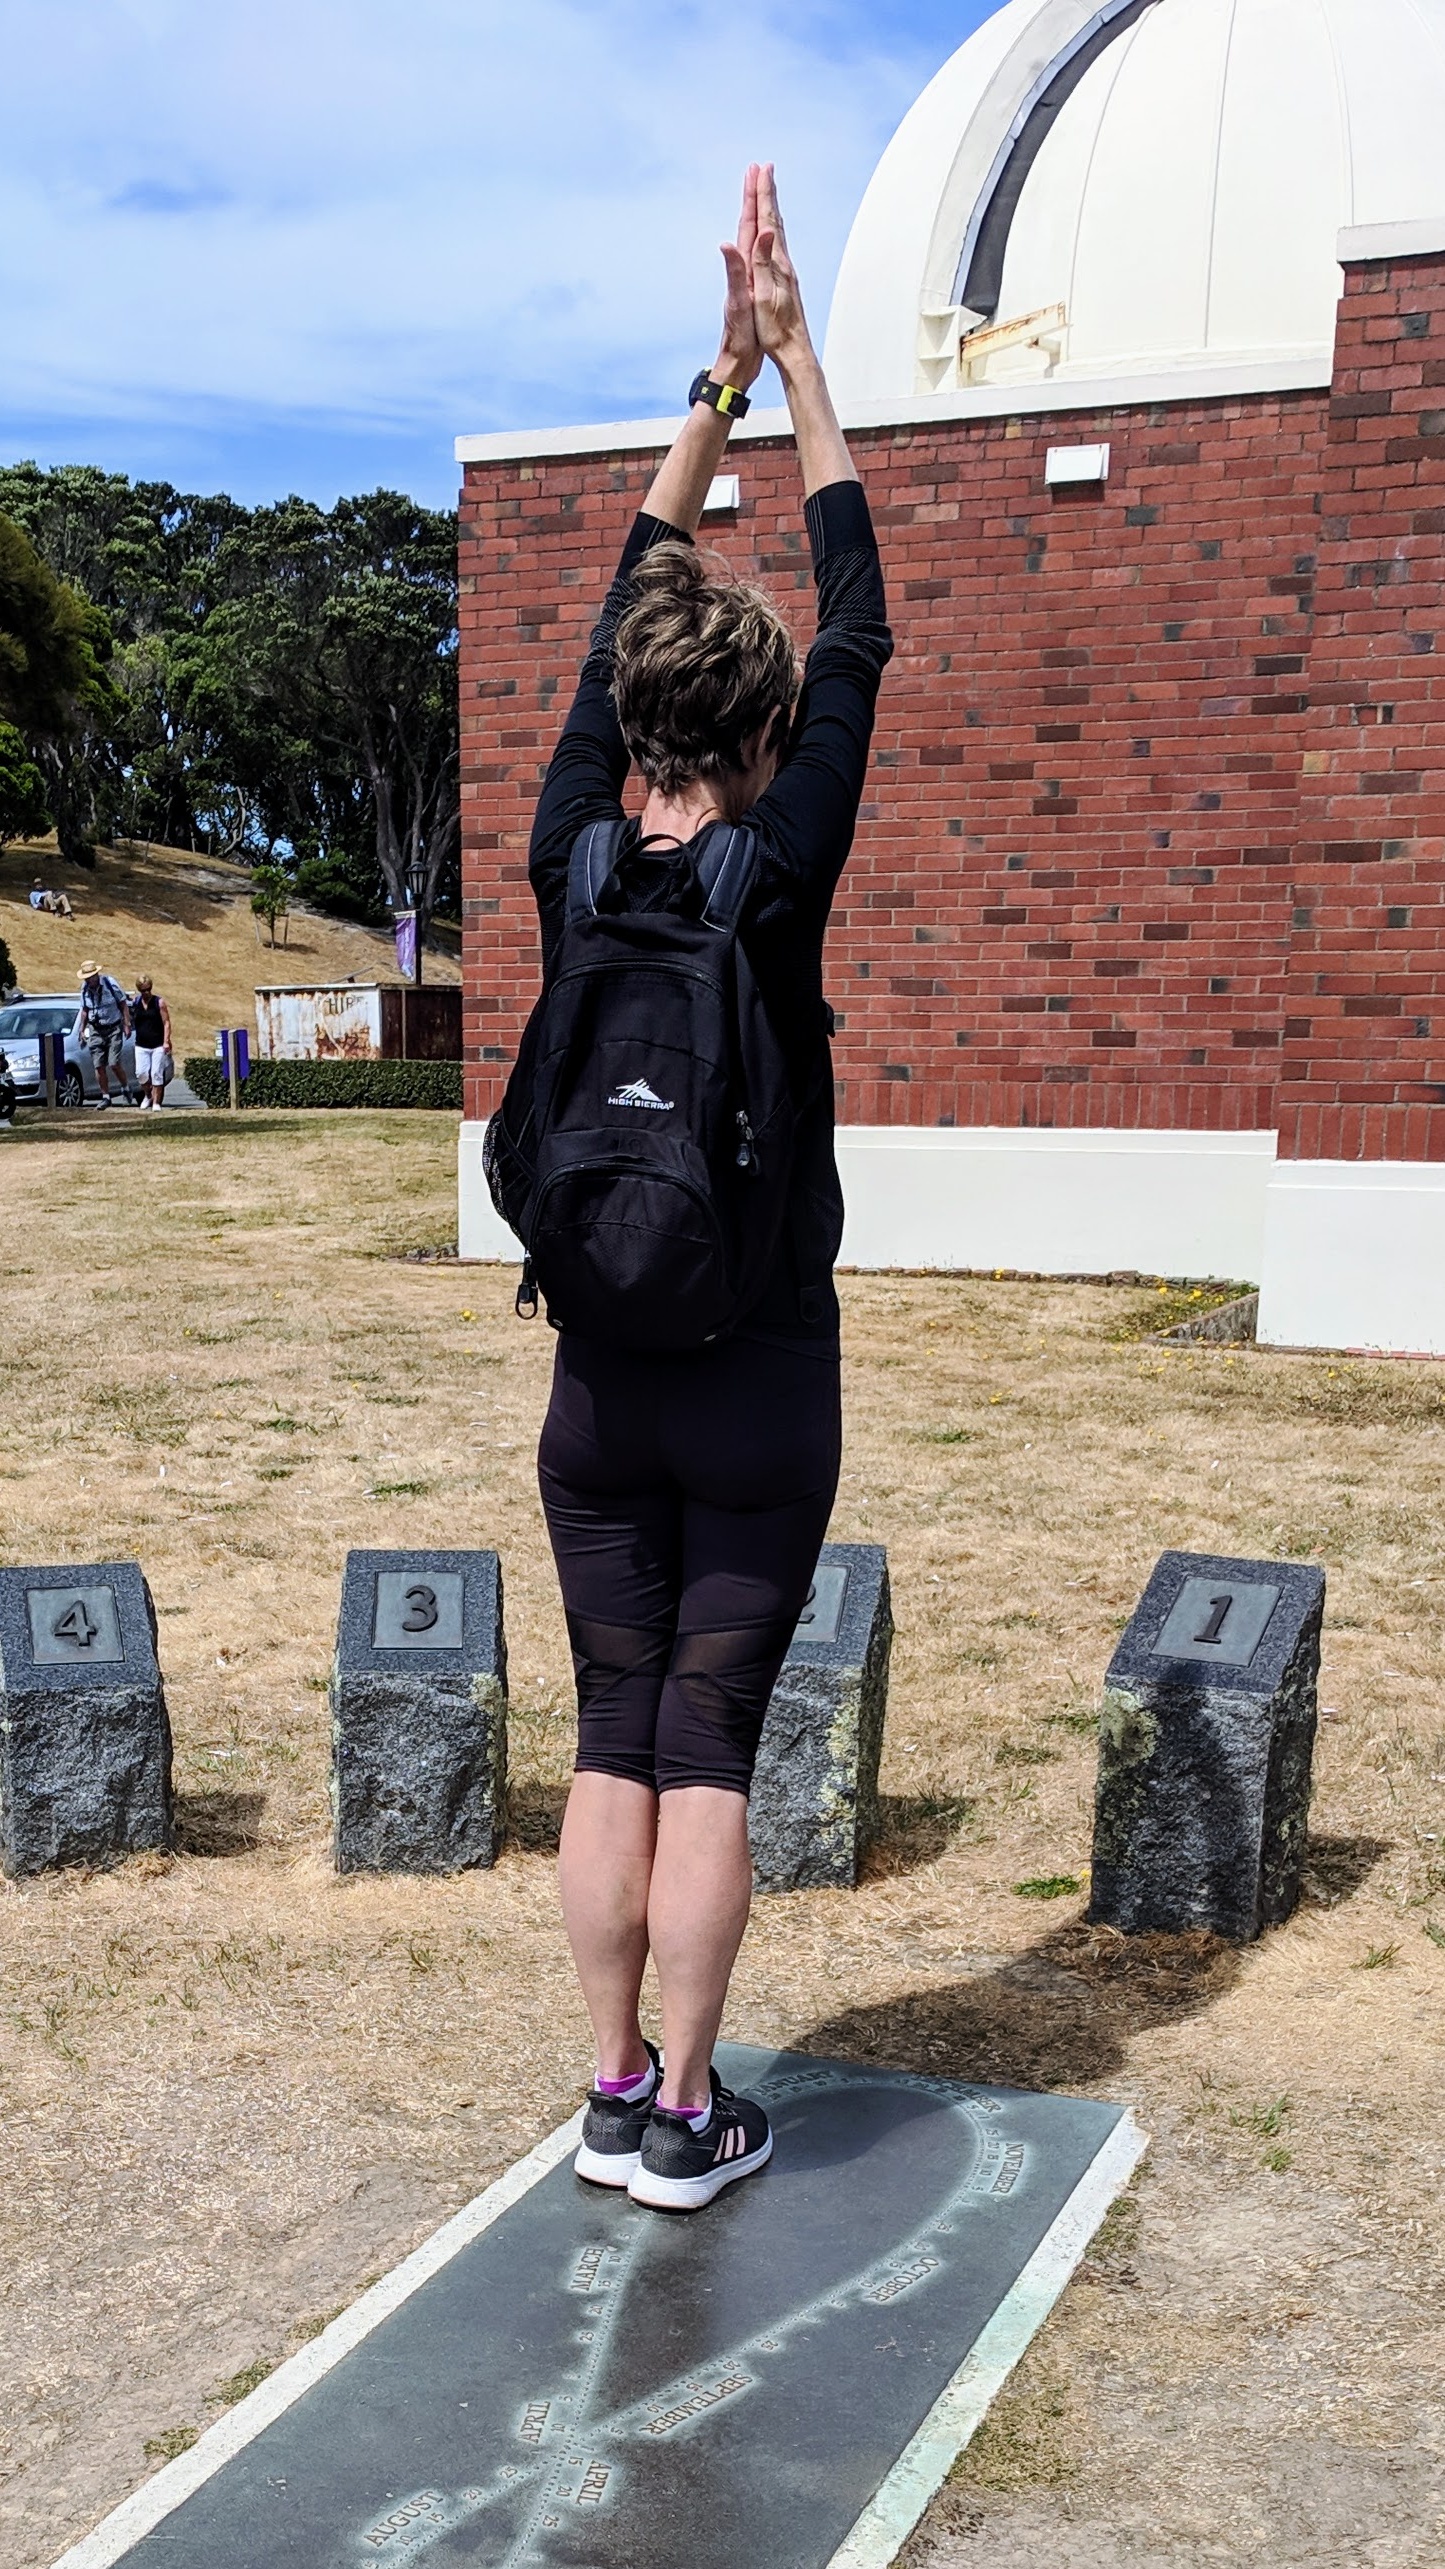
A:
<point x="103" y="1024"/>
<point x="665" y="1151"/>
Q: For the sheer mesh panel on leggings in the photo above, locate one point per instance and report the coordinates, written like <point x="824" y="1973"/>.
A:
<point x="620" y="1670"/>
<point x="715" y="1703"/>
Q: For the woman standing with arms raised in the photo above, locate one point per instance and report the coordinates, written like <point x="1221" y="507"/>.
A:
<point x="688" y="1486"/>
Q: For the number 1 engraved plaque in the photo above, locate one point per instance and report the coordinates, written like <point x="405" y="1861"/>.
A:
<point x="74" y="1627"/>
<point x="1217" y="1619"/>
<point x="418" y="1610"/>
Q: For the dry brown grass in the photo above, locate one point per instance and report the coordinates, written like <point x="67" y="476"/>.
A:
<point x="188" y="923"/>
<point x="232" y="2087"/>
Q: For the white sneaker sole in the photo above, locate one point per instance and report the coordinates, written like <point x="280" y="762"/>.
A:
<point x="607" y="2167"/>
<point x="689" y="2194"/>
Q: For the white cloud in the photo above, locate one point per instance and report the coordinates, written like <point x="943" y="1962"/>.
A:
<point x="450" y="214"/>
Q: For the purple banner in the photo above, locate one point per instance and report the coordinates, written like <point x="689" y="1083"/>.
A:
<point x="406" y="944"/>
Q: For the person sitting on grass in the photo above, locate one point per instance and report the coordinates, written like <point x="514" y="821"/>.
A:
<point x="687" y="1494"/>
<point x="102" y="1026"/>
<point x="43" y="898"/>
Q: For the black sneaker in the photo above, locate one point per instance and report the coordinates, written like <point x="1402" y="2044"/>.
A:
<point x="679" y="2170"/>
<point x="612" y="2134"/>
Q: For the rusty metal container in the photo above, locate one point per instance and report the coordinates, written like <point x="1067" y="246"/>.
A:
<point x="358" y="1021"/>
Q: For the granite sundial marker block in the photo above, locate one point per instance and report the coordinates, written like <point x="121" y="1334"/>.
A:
<point x="85" y="1743"/>
<point x="419" y="1713"/>
<point x="1206" y="1743"/>
<point x="815" y="1793"/>
<point x="560" y="2379"/>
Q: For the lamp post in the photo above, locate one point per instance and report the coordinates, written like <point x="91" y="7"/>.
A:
<point x="415" y="886"/>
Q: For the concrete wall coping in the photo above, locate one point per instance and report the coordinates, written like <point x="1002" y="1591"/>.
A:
<point x="1419" y="240"/>
<point x="1302" y="370"/>
<point x="1351" y="1177"/>
<point x="1040" y="1140"/>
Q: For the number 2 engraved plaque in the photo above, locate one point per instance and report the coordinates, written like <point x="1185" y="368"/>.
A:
<point x="1217" y="1619"/>
<point x="823" y="1612"/>
<point x="418" y="1610"/>
<point x="74" y="1627"/>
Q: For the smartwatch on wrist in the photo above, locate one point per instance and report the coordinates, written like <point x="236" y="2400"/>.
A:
<point x="723" y="398"/>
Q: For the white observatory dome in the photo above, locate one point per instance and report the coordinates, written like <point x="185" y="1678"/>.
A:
<point x="1099" y="187"/>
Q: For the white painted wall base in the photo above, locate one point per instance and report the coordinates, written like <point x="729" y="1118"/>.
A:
<point x="481" y="1232"/>
<point x="1059" y="1203"/>
<point x="1348" y="1254"/>
<point x="1176" y="1204"/>
<point x="1355" y="1256"/>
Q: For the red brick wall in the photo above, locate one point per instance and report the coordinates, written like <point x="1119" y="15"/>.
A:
<point x="1363" y="1073"/>
<point x="1076" y="895"/>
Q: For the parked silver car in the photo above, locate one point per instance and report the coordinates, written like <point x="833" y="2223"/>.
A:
<point x="23" y="1023"/>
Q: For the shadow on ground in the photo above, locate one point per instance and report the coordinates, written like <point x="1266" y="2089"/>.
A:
<point x="1064" y="2013"/>
<point x="534" y="1816"/>
<point x="914" y="1829"/>
<point x="1336" y="1868"/>
<point x="218" y="1823"/>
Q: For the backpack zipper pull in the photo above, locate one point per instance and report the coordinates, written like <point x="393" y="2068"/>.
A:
<point x="526" y="1303"/>
<point x="746" y="1159"/>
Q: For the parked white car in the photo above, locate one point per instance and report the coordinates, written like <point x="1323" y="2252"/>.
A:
<point x="24" y="1021"/>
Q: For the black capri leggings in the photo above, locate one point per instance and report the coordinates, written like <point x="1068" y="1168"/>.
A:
<point x="687" y="1497"/>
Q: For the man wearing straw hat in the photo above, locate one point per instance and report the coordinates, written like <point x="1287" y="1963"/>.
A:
<point x="103" y="1024"/>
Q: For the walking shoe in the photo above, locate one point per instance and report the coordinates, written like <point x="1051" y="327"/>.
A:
<point x="612" y="2134"/>
<point x="679" y="2170"/>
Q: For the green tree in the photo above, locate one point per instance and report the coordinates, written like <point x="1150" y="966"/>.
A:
<point x="54" y="646"/>
<point x="144" y="553"/>
<point x="283" y="680"/>
<point x="24" y="812"/>
<point x="270" y="895"/>
<point x="341" y="629"/>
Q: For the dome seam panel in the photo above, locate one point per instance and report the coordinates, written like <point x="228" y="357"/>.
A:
<point x="1124" y="51"/>
<point x="1429" y="30"/>
<point x="1347" y="122"/>
<point x="1218" y="167"/>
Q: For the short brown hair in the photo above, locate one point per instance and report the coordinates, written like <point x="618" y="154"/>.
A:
<point x="702" y="663"/>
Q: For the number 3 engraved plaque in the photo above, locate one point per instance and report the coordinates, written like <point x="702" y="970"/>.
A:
<point x="76" y="1627"/>
<point x="418" y="1610"/>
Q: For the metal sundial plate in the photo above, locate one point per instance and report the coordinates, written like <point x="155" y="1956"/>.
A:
<point x="586" y="2385"/>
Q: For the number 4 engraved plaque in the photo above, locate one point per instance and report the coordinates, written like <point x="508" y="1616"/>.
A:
<point x="73" y="1627"/>
<point x="85" y="1742"/>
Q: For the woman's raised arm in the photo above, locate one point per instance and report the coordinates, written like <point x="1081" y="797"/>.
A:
<point x="679" y="493"/>
<point x="783" y="333"/>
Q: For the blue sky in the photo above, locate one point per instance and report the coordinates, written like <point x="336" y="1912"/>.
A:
<point x="274" y="245"/>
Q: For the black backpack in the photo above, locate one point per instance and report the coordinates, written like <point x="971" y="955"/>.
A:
<point x="644" y="1147"/>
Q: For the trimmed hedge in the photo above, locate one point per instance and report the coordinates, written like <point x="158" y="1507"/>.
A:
<point x="332" y="1083"/>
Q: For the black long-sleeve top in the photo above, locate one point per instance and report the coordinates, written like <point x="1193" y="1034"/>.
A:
<point x="805" y="823"/>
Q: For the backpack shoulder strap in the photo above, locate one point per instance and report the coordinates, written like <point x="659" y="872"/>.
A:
<point x="594" y="855"/>
<point x="726" y="866"/>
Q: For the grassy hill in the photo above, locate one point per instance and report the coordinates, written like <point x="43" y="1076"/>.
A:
<point x="187" y="921"/>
